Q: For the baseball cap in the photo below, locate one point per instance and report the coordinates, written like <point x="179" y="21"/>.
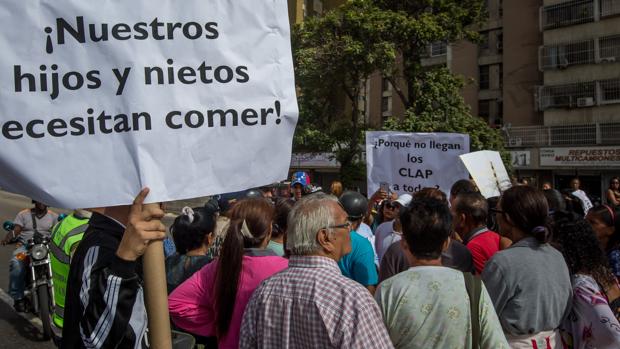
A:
<point x="404" y="200"/>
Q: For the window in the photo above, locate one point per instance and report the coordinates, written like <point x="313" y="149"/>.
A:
<point x="484" y="109"/>
<point x="563" y="55"/>
<point x="610" y="8"/>
<point x="610" y="91"/>
<point x="385" y="84"/>
<point x="499" y="115"/>
<point x="575" y="95"/>
<point x="610" y="48"/>
<point x="501" y="75"/>
<point x="484" y="40"/>
<point x="483" y="82"/>
<point x="385" y="104"/>
<point x="568" y="13"/>
<point x="439" y="48"/>
<point x="500" y="42"/>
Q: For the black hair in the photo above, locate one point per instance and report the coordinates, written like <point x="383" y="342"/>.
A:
<point x="462" y="186"/>
<point x="426" y="226"/>
<point x="189" y="231"/>
<point x="612" y="180"/>
<point x="473" y="205"/>
<point x="528" y="210"/>
<point x="609" y="216"/>
<point x="430" y="193"/>
<point x="555" y="200"/>
<point x="491" y="221"/>
<point x="283" y="208"/>
<point x="578" y="243"/>
<point x="257" y="213"/>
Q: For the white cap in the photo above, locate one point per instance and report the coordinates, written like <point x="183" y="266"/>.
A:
<point x="404" y="199"/>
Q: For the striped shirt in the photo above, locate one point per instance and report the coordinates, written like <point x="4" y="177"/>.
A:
<point x="312" y="305"/>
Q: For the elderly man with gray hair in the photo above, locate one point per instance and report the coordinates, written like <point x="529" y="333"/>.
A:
<point x="311" y="304"/>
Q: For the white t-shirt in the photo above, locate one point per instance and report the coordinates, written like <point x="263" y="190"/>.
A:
<point x="365" y="231"/>
<point x="44" y="224"/>
<point x="385" y="237"/>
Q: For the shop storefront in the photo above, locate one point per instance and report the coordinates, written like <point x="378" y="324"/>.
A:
<point x="594" y="166"/>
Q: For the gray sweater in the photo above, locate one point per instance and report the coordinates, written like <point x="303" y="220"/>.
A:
<point x="530" y="286"/>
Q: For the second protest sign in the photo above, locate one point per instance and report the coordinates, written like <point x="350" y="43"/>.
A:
<point x="409" y="162"/>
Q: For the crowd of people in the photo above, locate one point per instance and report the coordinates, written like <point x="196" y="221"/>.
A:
<point x="300" y="268"/>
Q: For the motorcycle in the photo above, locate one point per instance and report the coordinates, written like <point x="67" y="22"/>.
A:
<point x="39" y="294"/>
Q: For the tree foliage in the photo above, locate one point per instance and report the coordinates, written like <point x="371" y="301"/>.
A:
<point x="336" y="53"/>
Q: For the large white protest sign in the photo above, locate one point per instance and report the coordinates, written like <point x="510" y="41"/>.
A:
<point x="98" y="99"/>
<point x="488" y="171"/>
<point x="409" y="162"/>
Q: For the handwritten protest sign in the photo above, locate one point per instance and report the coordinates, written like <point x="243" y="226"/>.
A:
<point x="409" y="162"/>
<point x="488" y="171"/>
<point x="98" y="99"/>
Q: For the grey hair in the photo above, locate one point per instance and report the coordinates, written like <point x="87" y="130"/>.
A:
<point x="311" y="214"/>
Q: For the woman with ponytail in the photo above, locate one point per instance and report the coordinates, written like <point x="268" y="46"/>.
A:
<point x="212" y="301"/>
<point x="528" y="282"/>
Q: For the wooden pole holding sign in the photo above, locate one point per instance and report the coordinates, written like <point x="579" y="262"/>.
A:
<point x="499" y="187"/>
<point x="156" y="296"/>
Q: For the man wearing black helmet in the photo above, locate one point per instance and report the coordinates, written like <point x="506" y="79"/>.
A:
<point x="359" y="264"/>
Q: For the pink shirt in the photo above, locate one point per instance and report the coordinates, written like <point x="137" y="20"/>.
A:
<point x="192" y="304"/>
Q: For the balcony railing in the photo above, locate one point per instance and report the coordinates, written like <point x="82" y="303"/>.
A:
<point x="562" y="55"/>
<point x="578" y="95"/>
<point x="570" y="135"/>
<point x="567" y="13"/>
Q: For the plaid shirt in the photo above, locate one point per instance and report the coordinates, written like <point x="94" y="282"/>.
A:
<point x="312" y="305"/>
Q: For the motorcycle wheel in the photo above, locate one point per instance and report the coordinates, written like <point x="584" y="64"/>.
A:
<point x="44" y="310"/>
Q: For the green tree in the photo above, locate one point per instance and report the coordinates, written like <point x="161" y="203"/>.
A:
<point x="441" y="108"/>
<point x="334" y="55"/>
<point x="425" y="22"/>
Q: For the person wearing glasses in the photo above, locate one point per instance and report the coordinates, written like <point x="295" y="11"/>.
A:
<point x="311" y="304"/>
<point x="613" y="193"/>
<point x="389" y="232"/>
<point x="529" y="282"/>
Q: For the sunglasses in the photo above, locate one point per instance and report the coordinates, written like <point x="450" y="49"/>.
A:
<point x="390" y="205"/>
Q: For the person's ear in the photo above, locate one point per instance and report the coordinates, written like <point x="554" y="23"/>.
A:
<point x="324" y="239"/>
<point x="209" y="239"/>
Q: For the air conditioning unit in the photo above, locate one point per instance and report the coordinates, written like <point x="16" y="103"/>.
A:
<point x="514" y="141"/>
<point x="585" y="102"/>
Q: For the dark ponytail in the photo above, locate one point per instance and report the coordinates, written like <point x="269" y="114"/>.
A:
<point x="257" y="213"/>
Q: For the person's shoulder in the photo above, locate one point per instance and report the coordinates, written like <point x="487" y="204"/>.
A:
<point x="24" y="212"/>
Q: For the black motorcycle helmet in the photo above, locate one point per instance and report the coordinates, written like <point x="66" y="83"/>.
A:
<point x="254" y="193"/>
<point x="355" y="204"/>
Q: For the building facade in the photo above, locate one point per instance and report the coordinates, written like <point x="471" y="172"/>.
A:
<point x="547" y="72"/>
<point x="579" y="98"/>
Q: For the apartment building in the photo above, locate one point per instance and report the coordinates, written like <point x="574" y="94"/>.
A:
<point x="579" y="97"/>
<point x="547" y="72"/>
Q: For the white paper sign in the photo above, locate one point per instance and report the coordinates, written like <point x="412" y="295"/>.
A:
<point x="409" y="162"/>
<point x="488" y="171"/>
<point x="98" y="99"/>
